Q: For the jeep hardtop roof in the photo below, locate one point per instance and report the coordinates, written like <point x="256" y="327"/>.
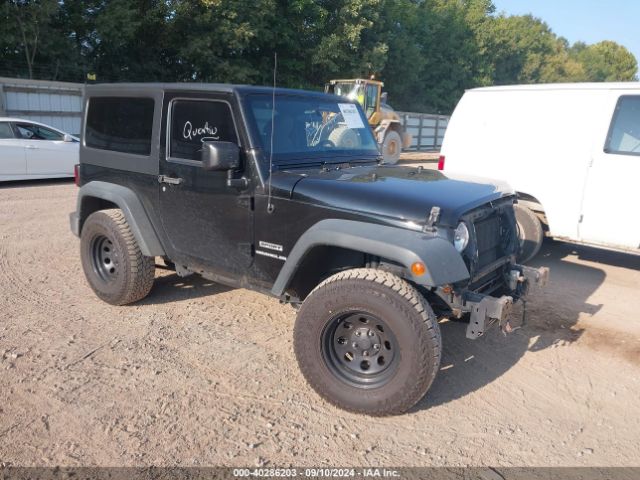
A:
<point x="137" y="88"/>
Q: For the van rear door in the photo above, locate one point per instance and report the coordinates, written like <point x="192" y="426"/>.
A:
<point x="609" y="209"/>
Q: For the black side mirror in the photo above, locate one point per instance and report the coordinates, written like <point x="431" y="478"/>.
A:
<point x="220" y="156"/>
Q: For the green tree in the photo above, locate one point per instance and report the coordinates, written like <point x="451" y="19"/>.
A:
<point x="432" y="52"/>
<point x="130" y="41"/>
<point x="426" y="51"/>
<point x="402" y="30"/>
<point x="606" y="61"/>
<point x="235" y="40"/>
<point x="27" y="35"/>
<point x="519" y="47"/>
<point x="560" y="66"/>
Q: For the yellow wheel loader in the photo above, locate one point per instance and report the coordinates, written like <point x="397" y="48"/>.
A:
<point x="384" y="121"/>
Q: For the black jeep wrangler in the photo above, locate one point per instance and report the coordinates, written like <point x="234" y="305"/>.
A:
<point x="283" y="191"/>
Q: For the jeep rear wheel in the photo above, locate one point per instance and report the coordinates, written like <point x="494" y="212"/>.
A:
<point x="115" y="268"/>
<point x="368" y="342"/>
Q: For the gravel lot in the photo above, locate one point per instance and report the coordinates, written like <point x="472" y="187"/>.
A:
<point x="200" y="374"/>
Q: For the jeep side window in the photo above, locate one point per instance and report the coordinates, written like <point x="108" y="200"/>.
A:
<point x="120" y="124"/>
<point x="624" y="133"/>
<point x="197" y="121"/>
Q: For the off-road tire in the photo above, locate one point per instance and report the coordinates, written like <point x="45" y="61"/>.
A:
<point x="406" y="312"/>
<point x="391" y="147"/>
<point x="133" y="273"/>
<point x="530" y="232"/>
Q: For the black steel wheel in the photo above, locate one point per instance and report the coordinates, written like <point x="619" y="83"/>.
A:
<point x="104" y="258"/>
<point x="115" y="268"/>
<point x="361" y="349"/>
<point x="368" y="342"/>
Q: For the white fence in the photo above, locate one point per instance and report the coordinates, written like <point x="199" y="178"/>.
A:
<point x="58" y="104"/>
<point x="427" y="130"/>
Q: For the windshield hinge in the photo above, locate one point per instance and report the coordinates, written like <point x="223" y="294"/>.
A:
<point x="429" y="226"/>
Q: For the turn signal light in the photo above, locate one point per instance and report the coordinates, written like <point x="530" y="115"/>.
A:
<point x="418" y="268"/>
<point x="441" y="162"/>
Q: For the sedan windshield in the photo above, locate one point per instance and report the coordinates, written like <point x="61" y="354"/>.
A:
<point x="308" y="128"/>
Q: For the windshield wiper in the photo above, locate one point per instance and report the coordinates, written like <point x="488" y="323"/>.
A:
<point x="365" y="160"/>
<point x="327" y="164"/>
<point x="285" y="166"/>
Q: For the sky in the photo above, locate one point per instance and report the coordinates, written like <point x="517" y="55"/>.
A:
<point x="590" y="21"/>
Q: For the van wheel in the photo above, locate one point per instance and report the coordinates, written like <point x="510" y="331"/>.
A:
<point x="368" y="342"/>
<point x="530" y="233"/>
<point x="391" y="147"/>
<point x="115" y="268"/>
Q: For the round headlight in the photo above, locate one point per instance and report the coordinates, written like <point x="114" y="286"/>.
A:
<point x="461" y="237"/>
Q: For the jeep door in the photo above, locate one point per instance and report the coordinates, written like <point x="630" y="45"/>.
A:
<point x="207" y="224"/>
<point x="609" y="215"/>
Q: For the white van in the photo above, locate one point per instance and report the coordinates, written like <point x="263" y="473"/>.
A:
<point x="571" y="151"/>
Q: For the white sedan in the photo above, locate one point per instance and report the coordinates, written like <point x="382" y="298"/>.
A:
<point x="31" y="150"/>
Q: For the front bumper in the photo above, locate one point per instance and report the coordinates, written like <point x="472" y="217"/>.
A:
<point x="486" y="310"/>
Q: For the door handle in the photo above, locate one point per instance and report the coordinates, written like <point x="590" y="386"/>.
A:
<point x="32" y="147"/>
<point x="169" y="180"/>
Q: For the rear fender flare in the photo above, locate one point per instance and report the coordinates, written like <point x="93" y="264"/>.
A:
<point x="132" y="208"/>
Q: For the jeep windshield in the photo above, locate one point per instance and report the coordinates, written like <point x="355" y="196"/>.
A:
<point x="310" y="129"/>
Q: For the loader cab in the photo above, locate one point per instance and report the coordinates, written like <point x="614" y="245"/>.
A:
<point x="383" y="120"/>
<point x="366" y="92"/>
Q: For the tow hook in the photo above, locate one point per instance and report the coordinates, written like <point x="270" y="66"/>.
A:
<point x="487" y="311"/>
<point x="508" y="328"/>
<point x="528" y="276"/>
<point x="536" y="276"/>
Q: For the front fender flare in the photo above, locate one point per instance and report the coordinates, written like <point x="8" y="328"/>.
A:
<point x="132" y="208"/>
<point x="443" y="263"/>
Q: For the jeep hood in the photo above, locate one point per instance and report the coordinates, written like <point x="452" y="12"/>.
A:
<point x="389" y="191"/>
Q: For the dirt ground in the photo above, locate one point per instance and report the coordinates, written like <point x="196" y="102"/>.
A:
<point x="200" y="374"/>
<point x="411" y="157"/>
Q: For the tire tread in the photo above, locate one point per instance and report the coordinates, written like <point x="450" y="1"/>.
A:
<point x="428" y="333"/>
<point x="141" y="269"/>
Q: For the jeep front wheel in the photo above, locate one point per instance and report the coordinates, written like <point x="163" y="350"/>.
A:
<point x="368" y="342"/>
<point x="115" y="268"/>
<point x="530" y="233"/>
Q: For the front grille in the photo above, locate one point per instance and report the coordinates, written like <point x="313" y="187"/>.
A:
<point x="492" y="244"/>
<point x="488" y="240"/>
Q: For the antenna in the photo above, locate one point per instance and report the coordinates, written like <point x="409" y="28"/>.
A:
<point x="270" y="207"/>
